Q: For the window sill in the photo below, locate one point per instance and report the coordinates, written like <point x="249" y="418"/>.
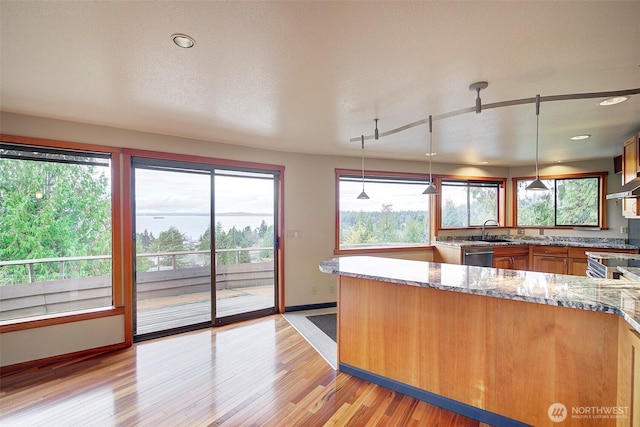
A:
<point x="14" y="325"/>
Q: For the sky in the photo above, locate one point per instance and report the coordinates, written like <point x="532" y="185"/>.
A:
<point x="182" y="192"/>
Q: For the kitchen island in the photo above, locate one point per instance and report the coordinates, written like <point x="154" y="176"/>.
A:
<point x="505" y="347"/>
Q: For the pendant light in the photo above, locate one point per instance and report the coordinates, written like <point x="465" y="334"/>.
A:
<point x="363" y="195"/>
<point x="431" y="189"/>
<point x="536" y="184"/>
<point x="375" y="134"/>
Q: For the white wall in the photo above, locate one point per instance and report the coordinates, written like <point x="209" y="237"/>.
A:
<point x="309" y="208"/>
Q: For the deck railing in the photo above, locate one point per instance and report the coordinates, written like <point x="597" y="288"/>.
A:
<point x="70" y="294"/>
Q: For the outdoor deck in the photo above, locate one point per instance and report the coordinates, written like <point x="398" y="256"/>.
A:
<point x="156" y="314"/>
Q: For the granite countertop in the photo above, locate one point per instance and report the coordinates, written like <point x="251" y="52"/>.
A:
<point x="613" y="255"/>
<point x="539" y="241"/>
<point x="621" y="297"/>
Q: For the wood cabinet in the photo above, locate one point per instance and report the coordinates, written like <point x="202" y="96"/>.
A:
<point x="550" y="259"/>
<point x="629" y="375"/>
<point x="630" y="170"/>
<point x="511" y="257"/>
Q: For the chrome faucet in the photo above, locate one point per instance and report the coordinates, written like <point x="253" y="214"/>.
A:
<point x="484" y="232"/>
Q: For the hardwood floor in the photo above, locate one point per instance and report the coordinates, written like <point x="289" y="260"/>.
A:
<point x="255" y="373"/>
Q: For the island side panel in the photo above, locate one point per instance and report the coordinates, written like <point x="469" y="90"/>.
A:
<point x="548" y="354"/>
<point x="509" y="357"/>
<point x="426" y="338"/>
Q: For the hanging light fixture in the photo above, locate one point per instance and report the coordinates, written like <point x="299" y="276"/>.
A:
<point x="363" y="195"/>
<point x="375" y="134"/>
<point x="477" y="86"/>
<point x="431" y="189"/>
<point x="536" y="184"/>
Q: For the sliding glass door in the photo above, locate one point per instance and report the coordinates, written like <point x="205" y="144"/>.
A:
<point x="205" y="245"/>
<point x="245" y="218"/>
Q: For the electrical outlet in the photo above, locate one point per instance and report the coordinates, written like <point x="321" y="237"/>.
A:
<point x="541" y="231"/>
<point x="520" y="231"/>
<point x="332" y="289"/>
<point x="624" y="230"/>
<point x="294" y="234"/>
<point x="314" y="290"/>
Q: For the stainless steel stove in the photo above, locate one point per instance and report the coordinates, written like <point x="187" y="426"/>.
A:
<point x="605" y="264"/>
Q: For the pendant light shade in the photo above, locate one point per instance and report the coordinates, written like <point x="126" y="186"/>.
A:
<point x="431" y="189"/>
<point x="363" y="195"/>
<point x="537" y="184"/>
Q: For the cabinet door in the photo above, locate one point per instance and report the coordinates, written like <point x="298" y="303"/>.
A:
<point x="502" y="262"/>
<point x="630" y="207"/>
<point x="550" y="264"/>
<point x="577" y="266"/>
<point x="630" y="159"/>
<point x="520" y="262"/>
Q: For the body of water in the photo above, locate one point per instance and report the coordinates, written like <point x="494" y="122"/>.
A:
<point x="194" y="226"/>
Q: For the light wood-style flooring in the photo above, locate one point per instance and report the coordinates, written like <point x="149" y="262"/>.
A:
<point x="256" y="373"/>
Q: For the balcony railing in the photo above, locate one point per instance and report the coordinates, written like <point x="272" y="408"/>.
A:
<point x="186" y="272"/>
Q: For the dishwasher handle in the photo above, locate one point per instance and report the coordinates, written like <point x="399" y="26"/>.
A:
<point x="478" y="253"/>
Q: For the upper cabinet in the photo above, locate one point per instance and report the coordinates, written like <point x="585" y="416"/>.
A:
<point x="630" y="159"/>
<point x="630" y="170"/>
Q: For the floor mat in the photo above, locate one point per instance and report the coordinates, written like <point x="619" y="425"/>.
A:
<point x="326" y="323"/>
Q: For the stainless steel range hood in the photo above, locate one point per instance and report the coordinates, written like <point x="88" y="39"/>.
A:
<point x="630" y="189"/>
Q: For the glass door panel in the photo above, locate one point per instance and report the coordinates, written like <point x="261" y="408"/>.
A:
<point x="172" y="287"/>
<point x="245" y="229"/>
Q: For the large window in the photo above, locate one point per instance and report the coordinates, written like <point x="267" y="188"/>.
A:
<point x="469" y="203"/>
<point x="55" y="231"/>
<point x="396" y="215"/>
<point x="570" y="202"/>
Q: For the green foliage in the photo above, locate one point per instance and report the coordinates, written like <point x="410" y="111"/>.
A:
<point x="577" y="201"/>
<point x="51" y="210"/>
<point x="170" y="240"/>
<point x="383" y="227"/>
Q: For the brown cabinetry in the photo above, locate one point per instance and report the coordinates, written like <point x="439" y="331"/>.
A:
<point x="630" y="170"/>
<point x="550" y="259"/>
<point x="511" y="257"/>
<point x="629" y="374"/>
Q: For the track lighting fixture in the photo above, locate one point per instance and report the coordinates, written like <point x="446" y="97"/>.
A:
<point x="536" y="184"/>
<point x="431" y="189"/>
<point x="363" y="195"/>
<point x="478" y="86"/>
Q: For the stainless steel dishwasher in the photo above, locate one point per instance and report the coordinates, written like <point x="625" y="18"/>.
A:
<point x="482" y="257"/>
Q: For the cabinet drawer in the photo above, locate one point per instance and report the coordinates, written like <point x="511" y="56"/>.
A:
<point x="499" y="251"/>
<point x="553" y="251"/>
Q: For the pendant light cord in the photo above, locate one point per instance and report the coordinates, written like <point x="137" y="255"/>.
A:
<point x="430" y="148"/>
<point x="537" y="128"/>
<point x="362" y="162"/>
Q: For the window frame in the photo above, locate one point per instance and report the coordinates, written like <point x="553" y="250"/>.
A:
<point x="501" y="182"/>
<point x="118" y="306"/>
<point x="602" y="205"/>
<point x="379" y="174"/>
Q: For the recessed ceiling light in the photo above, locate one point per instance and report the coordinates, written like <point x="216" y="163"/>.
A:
<point x="615" y="100"/>
<point x="483" y="163"/>
<point x="579" y="137"/>
<point x="430" y="154"/>
<point x="183" y="40"/>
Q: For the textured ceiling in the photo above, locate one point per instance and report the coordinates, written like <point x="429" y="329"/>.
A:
<point x="309" y="76"/>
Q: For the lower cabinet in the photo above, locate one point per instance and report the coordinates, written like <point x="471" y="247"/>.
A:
<point x="511" y="257"/>
<point x="550" y="259"/>
<point x="629" y="375"/>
